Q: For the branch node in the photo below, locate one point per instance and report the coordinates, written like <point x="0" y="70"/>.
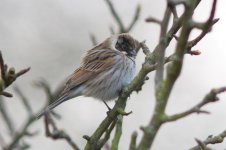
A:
<point x="122" y="112"/>
<point x="86" y="137"/>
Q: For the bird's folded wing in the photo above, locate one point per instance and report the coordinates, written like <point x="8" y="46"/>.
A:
<point x="89" y="70"/>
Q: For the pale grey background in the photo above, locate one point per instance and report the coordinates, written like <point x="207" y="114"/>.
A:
<point x="52" y="35"/>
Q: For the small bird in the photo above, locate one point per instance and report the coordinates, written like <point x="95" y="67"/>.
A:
<point x="104" y="71"/>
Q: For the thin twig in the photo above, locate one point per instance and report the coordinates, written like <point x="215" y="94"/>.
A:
<point x="57" y="134"/>
<point x="133" y="141"/>
<point x="135" y="18"/>
<point x="153" y="20"/>
<point x="24" y="100"/>
<point x="115" y="16"/>
<point x="211" y="140"/>
<point x="200" y="36"/>
<point x="2" y="65"/>
<point x="93" y="39"/>
<point x="20" y="133"/>
<point x="22" y="72"/>
<point x="7" y="118"/>
<point x="209" y="98"/>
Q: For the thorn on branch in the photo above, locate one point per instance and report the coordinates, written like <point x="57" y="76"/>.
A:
<point x="122" y="112"/>
<point x="194" y="52"/>
<point x="6" y="94"/>
<point x="139" y="87"/>
<point x="153" y="20"/>
<point x="176" y="37"/>
<point x="22" y="72"/>
<point x="86" y="137"/>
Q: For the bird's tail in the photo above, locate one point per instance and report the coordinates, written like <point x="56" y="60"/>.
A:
<point x="53" y="105"/>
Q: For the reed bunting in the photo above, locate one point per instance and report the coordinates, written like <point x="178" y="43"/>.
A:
<point x="105" y="69"/>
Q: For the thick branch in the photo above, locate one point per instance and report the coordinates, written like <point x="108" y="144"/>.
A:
<point x="164" y="90"/>
<point x="160" y="52"/>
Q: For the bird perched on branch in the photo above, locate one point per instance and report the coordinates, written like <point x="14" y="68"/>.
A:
<point x="104" y="71"/>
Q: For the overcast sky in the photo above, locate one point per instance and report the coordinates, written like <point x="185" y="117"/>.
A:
<point x="51" y="37"/>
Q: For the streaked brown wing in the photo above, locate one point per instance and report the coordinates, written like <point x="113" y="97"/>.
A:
<point x="93" y="65"/>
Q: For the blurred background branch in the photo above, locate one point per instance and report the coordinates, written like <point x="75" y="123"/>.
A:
<point x="118" y="20"/>
<point x="154" y="61"/>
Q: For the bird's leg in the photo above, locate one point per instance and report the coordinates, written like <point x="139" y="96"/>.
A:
<point x="109" y="108"/>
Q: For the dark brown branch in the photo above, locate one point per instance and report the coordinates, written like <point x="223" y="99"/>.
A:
<point x="57" y="134"/>
<point x="22" y="72"/>
<point x="153" y="20"/>
<point x="2" y="65"/>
